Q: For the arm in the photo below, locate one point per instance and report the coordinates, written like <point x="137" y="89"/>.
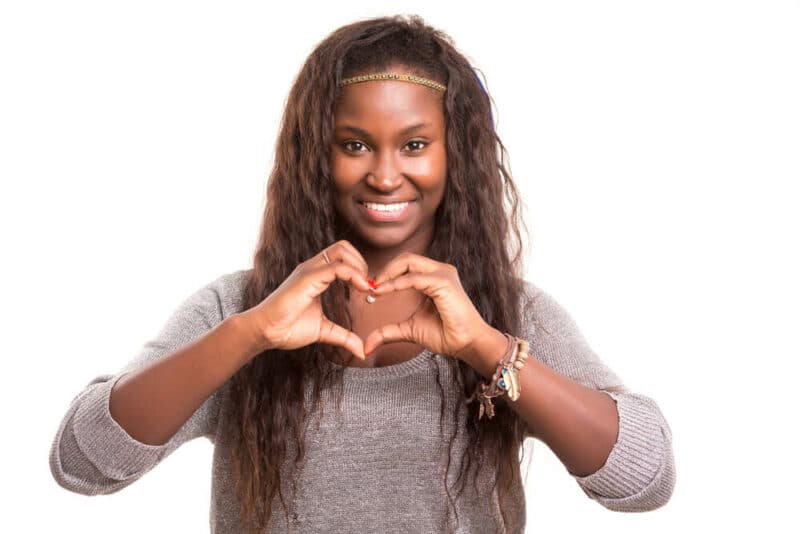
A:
<point x="153" y="402"/>
<point x="120" y="426"/>
<point x="615" y="443"/>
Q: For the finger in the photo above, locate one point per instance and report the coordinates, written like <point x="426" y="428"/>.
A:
<point x="405" y="263"/>
<point x="355" y="254"/>
<point x="426" y="283"/>
<point x="347" y="253"/>
<point x="333" y="334"/>
<point x="324" y="275"/>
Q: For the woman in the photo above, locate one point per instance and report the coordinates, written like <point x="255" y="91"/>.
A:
<point x="369" y="372"/>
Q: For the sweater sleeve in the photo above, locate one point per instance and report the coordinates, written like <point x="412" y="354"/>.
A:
<point x="639" y="474"/>
<point x="91" y="453"/>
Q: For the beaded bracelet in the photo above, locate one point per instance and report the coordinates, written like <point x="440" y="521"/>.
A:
<point x="505" y="378"/>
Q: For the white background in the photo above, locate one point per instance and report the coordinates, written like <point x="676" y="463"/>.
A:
<point x="655" y="143"/>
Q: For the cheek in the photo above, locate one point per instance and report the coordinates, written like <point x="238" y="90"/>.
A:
<point x="345" y="173"/>
<point x="435" y="168"/>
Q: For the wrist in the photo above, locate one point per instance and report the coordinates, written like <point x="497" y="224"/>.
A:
<point x="486" y="352"/>
<point x="253" y="337"/>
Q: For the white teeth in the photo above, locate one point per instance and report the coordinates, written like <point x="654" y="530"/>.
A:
<point x="385" y="207"/>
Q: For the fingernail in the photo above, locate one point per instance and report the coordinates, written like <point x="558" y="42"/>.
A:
<point x="372" y="283"/>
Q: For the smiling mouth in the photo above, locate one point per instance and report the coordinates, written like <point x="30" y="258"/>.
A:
<point x="384" y="206"/>
<point x="385" y="212"/>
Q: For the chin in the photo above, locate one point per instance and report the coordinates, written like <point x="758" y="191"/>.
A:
<point x="383" y="240"/>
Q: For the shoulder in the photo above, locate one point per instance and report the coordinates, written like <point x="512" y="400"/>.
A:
<point x="541" y="309"/>
<point x="227" y="290"/>
<point x="219" y="298"/>
<point x="534" y="299"/>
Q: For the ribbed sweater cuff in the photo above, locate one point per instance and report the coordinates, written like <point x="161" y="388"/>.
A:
<point x="638" y="454"/>
<point x="105" y="443"/>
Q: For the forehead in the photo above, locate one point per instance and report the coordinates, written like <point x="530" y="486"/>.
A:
<point x="389" y="100"/>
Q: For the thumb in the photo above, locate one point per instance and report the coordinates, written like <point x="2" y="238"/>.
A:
<point x="333" y="334"/>
<point x="388" y="333"/>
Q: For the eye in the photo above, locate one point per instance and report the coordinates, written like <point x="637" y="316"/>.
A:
<point x="418" y="142"/>
<point x="346" y="144"/>
<point x="356" y="146"/>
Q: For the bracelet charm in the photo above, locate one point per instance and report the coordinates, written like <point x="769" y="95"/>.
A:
<point x="505" y="379"/>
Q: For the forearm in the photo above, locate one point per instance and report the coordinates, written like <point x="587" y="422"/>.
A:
<point x="579" y="424"/>
<point x="153" y="402"/>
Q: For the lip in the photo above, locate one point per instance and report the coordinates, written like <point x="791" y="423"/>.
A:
<point x="387" y="200"/>
<point x="385" y="215"/>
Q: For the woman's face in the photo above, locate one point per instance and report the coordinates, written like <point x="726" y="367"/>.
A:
<point x="389" y="148"/>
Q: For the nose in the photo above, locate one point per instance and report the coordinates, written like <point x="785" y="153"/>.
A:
<point x="385" y="175"/>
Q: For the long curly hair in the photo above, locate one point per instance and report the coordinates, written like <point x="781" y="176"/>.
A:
<point x="479" y="218"/>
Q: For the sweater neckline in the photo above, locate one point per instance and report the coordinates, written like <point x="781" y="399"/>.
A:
<point x="409" y="367"/>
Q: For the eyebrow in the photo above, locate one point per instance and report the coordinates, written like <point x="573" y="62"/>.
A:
<point x="365" y="133"/>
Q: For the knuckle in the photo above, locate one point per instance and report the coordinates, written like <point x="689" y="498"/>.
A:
<point x="344" y="270"/>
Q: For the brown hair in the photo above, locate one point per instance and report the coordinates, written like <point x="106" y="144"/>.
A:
<point x="267" y="394"/>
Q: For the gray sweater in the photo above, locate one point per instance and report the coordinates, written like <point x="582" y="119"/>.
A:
<point x="391" y="413"/>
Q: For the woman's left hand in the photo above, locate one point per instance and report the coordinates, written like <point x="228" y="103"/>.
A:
<point x="446" y="323"/>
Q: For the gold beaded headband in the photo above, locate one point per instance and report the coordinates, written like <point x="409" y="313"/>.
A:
<point x="391" y="76"/>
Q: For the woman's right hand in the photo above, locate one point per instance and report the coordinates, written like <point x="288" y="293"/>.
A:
<point x="291" y="316"/>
